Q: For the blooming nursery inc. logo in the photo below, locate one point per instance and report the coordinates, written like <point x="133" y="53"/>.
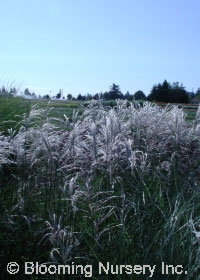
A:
<point x="87" y="270"/>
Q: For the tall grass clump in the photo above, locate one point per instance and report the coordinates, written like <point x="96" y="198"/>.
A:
<point x="115" y="184"/>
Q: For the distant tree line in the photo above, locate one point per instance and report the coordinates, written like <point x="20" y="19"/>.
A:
<point x="113" y="94"/>
<point x="162" y="92"/>
<point x="12" y="91"/>
<point x="28" y="94"/>
<point x="8" y="92"/>
<point x="165" y="92"/>
<point x="169" y="93"/>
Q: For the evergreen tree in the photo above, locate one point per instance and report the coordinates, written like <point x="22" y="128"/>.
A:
<point x="106" y="95"/>
<point x="127" y="96"/>
<point x="13" y="91"/>
<point x="27" y="92"/>
<point x="69" y="97"/>
<point x="81" y="98"/>
<point x="46" y="97"/>
<point x="96" y="96"/>
<point x="197" y="94"/>
<point x="89" y="97"/>
<point x="115" y="92"/>
<point x="59" y="94"/>
<point x="139" y="95"/>
<point x="174" y="93"/>
<point x="165" y="85"/>
<point x="3" y="90"/>
<point x="33" y="95"/>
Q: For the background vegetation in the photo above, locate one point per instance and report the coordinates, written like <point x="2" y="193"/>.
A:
<point x="162" y="92"/>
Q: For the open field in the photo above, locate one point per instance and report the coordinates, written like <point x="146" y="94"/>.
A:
<point x="118" y="185"/>
<point x="12" y="109"/>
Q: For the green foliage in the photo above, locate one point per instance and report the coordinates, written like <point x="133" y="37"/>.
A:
<point x="7" y="92"/>
<point x="128" y="96"/>
<point x="117" y="185"/>
<point x="81" y="98"/>
<point x="168" y="93"/>
<point x="69" y="96"/>
<point x="197" y="95"/>
<point x="59" y="94"/>
<point x="46" y="97"/>
<point x="12" y="110"/>
<point x="115" y="92"/>
<point x="139" y="95"/>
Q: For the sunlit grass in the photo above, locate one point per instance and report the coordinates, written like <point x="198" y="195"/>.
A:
<point x="118" y="185"/>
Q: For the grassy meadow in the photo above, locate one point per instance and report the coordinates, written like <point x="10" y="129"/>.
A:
<point x="89" y="184"/>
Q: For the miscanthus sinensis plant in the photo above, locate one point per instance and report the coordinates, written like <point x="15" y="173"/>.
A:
<point x="113" y="184"/>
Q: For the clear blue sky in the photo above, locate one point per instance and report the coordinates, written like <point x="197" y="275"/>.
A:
<point x="83" y="46"/>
